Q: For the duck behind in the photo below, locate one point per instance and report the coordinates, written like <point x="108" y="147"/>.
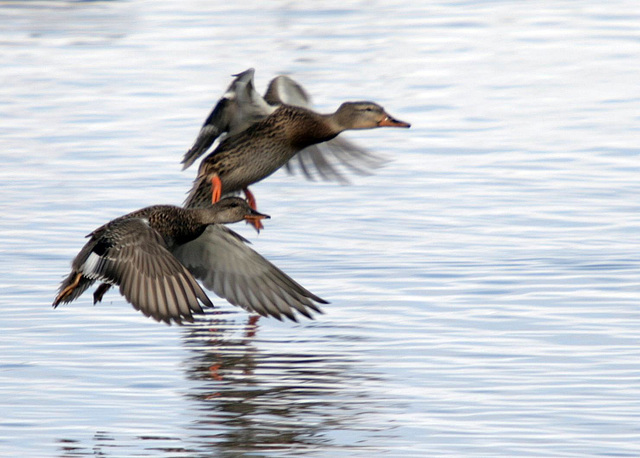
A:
<point x="267" y="145"/>
<point x="242" y="105"/>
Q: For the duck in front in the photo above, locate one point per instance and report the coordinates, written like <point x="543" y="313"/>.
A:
<point x="156" y="254"/>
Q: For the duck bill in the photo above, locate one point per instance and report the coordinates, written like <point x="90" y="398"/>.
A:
<point x="389" y="121"/>
<point x="256" y="216"/>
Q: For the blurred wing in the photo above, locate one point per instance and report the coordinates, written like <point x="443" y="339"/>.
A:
<point x="328" y="158"/>
<point x="216" y="124"/>
<point x="221" y="259"/>
<point x="239" y="107"/>
<point x="284" y="90"/>
<point x="134" y="256"/>
<point x="250" y="106"/>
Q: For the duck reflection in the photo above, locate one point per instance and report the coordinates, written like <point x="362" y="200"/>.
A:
<point x="104" y="443"/>
<point x="252" y="394"/>
<point x="221" y="346"/>
<point x="254" y="398"/>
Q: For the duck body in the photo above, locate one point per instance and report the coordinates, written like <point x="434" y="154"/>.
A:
<point x="155" y="255"/>
<point x="242" y="105"/>
<point x="264" y="147"/>
<point x="134" y="252"/>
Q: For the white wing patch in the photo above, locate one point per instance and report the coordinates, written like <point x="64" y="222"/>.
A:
<point x="90" y="266"/>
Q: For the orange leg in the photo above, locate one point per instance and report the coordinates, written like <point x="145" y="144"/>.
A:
<point x="216" y="186"/>
<point x="252" y="203"/>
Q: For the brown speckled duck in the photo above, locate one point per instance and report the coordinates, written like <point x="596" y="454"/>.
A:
<point x="241" y="105"/>
<point x="155" y="255"/>
<point x="265" y="146"/>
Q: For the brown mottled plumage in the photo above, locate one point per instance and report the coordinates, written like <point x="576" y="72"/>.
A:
<point x="241" y="105"/>
<point x="257" y="152"/>
<point x="153" y="255"/>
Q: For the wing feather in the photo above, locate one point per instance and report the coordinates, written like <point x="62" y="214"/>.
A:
<point x="225" y="264"/>
<point x="132" y="255"/>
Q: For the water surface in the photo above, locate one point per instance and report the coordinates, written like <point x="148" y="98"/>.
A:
<point x="483" y="284"/>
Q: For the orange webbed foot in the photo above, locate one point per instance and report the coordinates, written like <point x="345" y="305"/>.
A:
<point x="251" y="200"/>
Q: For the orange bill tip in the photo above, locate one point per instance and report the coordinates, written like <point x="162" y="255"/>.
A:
<point x="388" y="121"/>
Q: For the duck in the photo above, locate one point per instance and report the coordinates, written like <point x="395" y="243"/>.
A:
<point x="155" y="256"/>
<point x="241" y="105"/>
<point x="258" y="151"/>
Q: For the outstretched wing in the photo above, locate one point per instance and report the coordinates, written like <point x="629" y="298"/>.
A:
<point x="221" y="259"/>
<point x="131" y="254"/>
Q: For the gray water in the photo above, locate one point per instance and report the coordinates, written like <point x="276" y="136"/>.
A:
<point x="483" y="284"/>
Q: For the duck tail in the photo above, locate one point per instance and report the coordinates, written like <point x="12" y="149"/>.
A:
<point x="200" y="194"/>
<point x="72" y="287"/>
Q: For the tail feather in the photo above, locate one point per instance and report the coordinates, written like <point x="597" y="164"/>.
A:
<point x="72" y="287"/>
<point x="200" y="194"/>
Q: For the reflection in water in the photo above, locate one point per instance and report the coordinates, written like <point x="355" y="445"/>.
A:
<point x="248" y="394"/>
<point x="251" y="400"/>
<point x="107" y="444"/>
<point x="102" y="442"/>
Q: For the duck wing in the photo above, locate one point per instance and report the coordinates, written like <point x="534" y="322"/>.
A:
<point x="240" y="106"/>
<point x="330" y="159"/>
<point x="131" y="254"/>
<point x="216" y="124"/>
<point x="285" y="90"/>
<point x="221" y="259"/>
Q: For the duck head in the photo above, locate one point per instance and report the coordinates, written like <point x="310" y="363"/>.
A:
<point x="233" y="209"/>
<point x="365" y="115"/>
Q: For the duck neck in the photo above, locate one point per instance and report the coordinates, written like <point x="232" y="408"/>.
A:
<point x="208" y="215"/>
<point x="334" y="123"/>
<point x="176" y="225"/>
<point x="314" y="129"/>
